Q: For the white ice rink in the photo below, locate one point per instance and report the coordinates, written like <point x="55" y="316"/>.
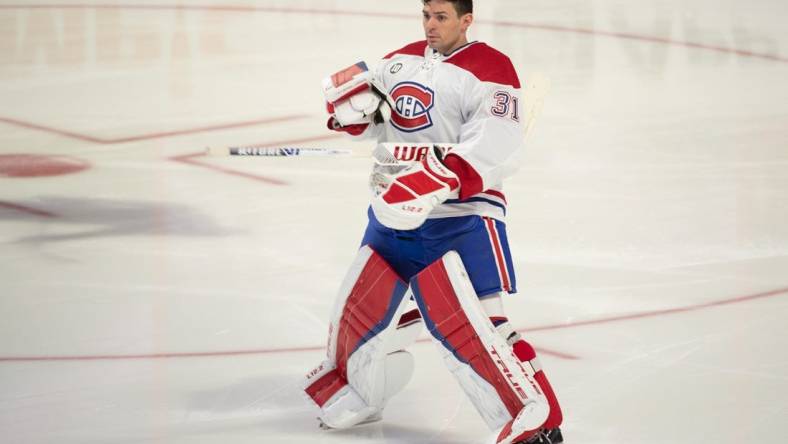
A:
<point x="152" y="294"/>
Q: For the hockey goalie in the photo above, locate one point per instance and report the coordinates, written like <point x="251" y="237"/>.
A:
<point x="435" y="254"/>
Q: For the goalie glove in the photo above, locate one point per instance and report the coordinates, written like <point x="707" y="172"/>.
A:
<point x="411" y="194"/>
<point x="354" y="97"/>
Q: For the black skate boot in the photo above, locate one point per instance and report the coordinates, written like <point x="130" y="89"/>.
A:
<point x="552" y="436"/>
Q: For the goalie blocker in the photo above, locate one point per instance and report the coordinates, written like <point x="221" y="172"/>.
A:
<point x="405" y="199"/>
<point x="369" y="330"/>
<point x="498" y="384"/>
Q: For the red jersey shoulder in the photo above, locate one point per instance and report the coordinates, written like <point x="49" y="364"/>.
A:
<point x="486" y="63"/>
<point x="415" y="48"/>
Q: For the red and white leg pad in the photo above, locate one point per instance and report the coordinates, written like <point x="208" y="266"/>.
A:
<point x="493" y="306"/>
<point x="366" y="362"/>
<point x="504" y="393"/>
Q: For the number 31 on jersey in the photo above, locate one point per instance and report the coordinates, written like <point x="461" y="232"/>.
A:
<point x="506" y="105"/>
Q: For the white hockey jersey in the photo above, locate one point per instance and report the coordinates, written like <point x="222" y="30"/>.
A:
<point x="469" y="98"/>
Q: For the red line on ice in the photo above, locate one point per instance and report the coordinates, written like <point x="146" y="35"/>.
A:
<point x="524" y="25"/>
<point x="656" y="313"/>
<point x="190" y="159"/>
<point x="346" y="13"/>
<point x="637" y="37"/>
<point x="209" y="354"/>
<point x="151" y="136"/>
<point x="26" y="209"/>
<point x="265" y="351"/>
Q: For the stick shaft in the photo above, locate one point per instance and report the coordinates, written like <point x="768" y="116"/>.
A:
<point x="270" y="151"/>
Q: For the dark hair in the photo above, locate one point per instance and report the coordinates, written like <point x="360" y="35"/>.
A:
<point x="461" y="6"/>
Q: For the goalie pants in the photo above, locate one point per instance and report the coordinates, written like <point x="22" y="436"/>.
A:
<point x="480" y="241"/>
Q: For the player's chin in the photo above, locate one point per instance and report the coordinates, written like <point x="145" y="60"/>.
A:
<point x="438" y="47"/>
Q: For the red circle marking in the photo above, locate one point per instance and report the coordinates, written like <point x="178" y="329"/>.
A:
<point x="38" y="165"/>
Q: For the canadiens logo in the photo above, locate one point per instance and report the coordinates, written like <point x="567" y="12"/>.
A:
<point x="412" y="105"/>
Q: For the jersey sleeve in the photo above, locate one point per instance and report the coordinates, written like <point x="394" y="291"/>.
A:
<point x="491" y="135"/>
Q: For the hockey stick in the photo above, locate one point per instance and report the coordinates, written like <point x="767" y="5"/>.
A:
<point x="537" y="88"/>
<point x="387" y="153"/>
<point x="270" y="151"/>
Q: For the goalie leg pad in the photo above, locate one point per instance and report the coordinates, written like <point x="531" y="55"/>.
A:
<point x="505" y="395"/>
<point x="341" y="406"/>
<point x="364" y="367"/>
<point x="493" y="306"/>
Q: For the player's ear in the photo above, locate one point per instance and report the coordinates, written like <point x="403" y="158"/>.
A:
<point x="466" y="21"/>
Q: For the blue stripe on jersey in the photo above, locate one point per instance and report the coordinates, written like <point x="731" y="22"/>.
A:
<point x="477" y="199"/>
